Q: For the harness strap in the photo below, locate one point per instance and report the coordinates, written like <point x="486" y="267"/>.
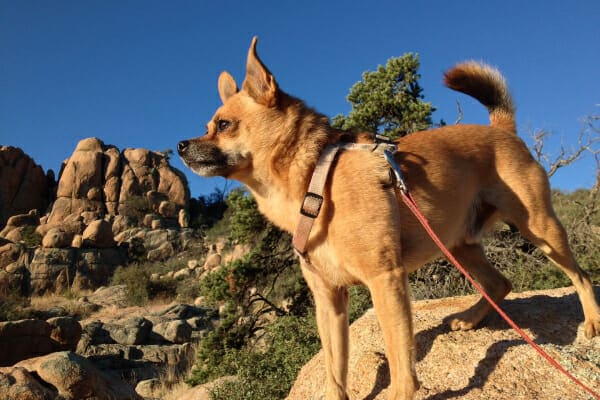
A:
<point x="313" y="199"/>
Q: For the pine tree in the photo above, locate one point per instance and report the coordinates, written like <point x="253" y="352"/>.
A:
<point x="388" y="101"/>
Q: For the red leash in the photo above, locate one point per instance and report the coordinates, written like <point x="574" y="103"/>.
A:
<point x="412" y="205"/>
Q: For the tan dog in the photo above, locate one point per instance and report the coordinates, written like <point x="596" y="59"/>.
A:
<point x="464" y="177"/>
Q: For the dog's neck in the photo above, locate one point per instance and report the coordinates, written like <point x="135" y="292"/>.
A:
<point x="279" y="182"/>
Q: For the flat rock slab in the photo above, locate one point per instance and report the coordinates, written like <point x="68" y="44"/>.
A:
<point x="491" y="362"/>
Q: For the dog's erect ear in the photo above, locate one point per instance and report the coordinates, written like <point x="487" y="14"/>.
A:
<point x="227" y="86"/>
<point x="259" y="83"/>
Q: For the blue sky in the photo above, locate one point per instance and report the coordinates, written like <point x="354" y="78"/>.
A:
<point x="144" y="73"/>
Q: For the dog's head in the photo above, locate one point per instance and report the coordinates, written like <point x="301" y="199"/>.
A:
<point x="241" y="127"/>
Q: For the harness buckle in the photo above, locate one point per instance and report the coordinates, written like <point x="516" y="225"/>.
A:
<point x="311" y="205"/>
<point x="400" y="182"/>
<point x="378" y="139"/>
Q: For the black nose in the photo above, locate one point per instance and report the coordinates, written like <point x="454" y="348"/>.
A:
<point x="181" y="146"/>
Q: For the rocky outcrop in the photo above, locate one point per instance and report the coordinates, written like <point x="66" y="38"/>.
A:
<point x="157" y="244"/>
<point x="53" y="270"/>
<point x="19" y="226"/>
<point x="491" y="362"/>
<point x="20" y="340"/>
<point x="140" y="348"/>
<point x="14" y="275"/>
<point x="73" y="377"/>
<point x="84" y="262"/>
<point x="17" y="383"/>
<point x="23" y="184"/>
<point x="57" y="358"/>
<point x="98" y="180"/>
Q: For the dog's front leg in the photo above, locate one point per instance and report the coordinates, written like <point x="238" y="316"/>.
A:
<point x="332" y="320"/>
<point x="390" y="294"/>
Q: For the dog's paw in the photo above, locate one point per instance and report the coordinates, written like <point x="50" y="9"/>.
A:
<point x="463" y="321"/>
<point x="459" y="324"/>
<point x="592" y="327"/>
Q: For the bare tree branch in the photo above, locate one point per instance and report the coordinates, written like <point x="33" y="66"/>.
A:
<point x="460" y="113"/>
<point x="588" y="141"/>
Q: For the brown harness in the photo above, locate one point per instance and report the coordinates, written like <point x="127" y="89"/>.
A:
<point x="313" y="199"/>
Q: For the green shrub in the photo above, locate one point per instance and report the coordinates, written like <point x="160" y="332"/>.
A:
<point x="206" y="211"/>
<point x="164" y="289"/>
<point x="241" y="221"/>
<point x="187" y="290"/>
<point x="137" y="282"/>
<point x="245" y="218"/>
<point x="269" y="373"/>
<point x="360" y="301"/>
<point x="13" y="305"/>
<point x="30" y="236"/>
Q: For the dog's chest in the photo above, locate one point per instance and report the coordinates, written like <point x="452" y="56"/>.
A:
<point x="332" y="268"/>
<point x="279" y="209"/>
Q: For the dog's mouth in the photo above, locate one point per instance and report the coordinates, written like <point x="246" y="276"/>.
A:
<point x="207" y="159"/>
<point x="206" y="168"/>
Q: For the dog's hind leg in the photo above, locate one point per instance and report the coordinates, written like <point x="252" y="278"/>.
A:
<point x="472" y="257"/>
<point x="390" y="295"/>
<point x="532" y="213"/>
<point x="331" y="305"/>
<point x="544" y="230"/>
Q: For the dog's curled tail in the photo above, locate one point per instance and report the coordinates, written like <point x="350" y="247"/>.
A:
<point x="486" y="84"/>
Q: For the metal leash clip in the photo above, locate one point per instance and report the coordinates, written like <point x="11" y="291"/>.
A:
<point x="400" y="182"/>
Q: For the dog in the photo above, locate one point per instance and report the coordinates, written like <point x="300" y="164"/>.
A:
<point x="464" y="177"/>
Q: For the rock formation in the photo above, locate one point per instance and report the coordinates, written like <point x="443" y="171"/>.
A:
<point x="54" y="270"/>
<point x="99" y="181"/>
<point x="23" y="184"/>
<point x="20" y="340"/>
<point x="140" y="348"/>
<point x="491" y="362"/>
<point x="73" y="377"/>
<point x="100" y="359"/>
<point x="101" y="192"/>
<point x="20" y="384"/>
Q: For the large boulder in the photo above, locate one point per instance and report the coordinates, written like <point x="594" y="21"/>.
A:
<point x="491" y="362"/>
<point x="19" y="384"/>
<point x="9" y="252"/>
<point x="23" y="184"/>
<point x="76" y="378"/>
<point x="54" y="270"/>
<point x="20" y="340"/>
<point x="110" y="296"/>
<point x="131" y="332"/>
<point x="98" y="234"/>
<point x="177" y="331"/>
<point x="66" y="332"/>
<point x="57" y="238"/>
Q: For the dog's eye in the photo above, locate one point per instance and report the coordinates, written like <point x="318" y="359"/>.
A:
<point x="222" y="125"/>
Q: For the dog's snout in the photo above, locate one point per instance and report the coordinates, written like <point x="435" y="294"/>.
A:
<point x="181" y="146"/>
